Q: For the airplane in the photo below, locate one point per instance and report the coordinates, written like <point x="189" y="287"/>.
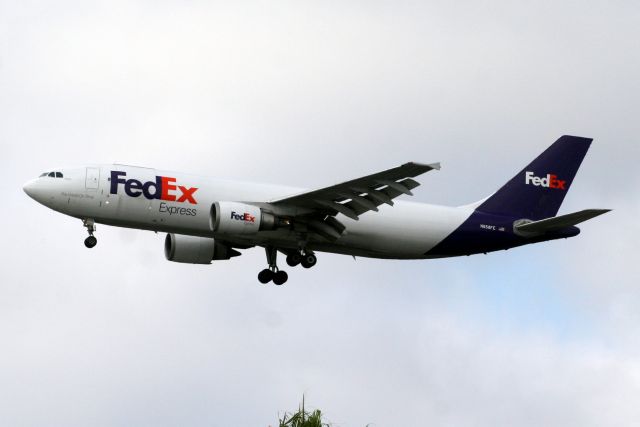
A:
<point x="209" y="219"/>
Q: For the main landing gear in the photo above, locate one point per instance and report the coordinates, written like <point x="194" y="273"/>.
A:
<point x="306" y="259"/>
<point x="90" y="241"/>
<point x="279" y="277"/>
<point x="272" y="273"/>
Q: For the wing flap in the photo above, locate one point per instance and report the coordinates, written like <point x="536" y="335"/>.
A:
<point x="355" y="197"/>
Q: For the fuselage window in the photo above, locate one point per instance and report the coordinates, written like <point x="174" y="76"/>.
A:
<point x="58" y="174"/>
<point x="52" y="174"/>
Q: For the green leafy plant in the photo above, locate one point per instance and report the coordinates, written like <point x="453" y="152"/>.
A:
<point x="302" y="418"/>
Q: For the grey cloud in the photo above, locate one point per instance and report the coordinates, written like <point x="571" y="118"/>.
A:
<point x="309" y="95"/>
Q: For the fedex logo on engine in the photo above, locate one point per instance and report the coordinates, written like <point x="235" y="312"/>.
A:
<point x="549" y="181"/>
<point x="162" y="188"/>
<point x="243" y="217"/>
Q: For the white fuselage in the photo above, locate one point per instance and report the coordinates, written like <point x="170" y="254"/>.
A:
<point x="406" y="230"/>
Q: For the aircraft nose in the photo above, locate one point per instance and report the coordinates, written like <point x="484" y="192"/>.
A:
<point x="30" y="188"/>
<point x="41" y="190"/>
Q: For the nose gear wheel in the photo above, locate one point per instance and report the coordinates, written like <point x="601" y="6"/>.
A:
<point x="90" y="225"/>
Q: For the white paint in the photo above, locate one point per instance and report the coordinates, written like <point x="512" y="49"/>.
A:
<point x="406" y="230"/>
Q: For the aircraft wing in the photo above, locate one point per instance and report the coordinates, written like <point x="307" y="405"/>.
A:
<point x="360" y="195"/>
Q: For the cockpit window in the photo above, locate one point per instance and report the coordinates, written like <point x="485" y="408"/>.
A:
<point x="52" y="174"/>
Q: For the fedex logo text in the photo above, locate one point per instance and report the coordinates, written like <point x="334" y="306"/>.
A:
<point x="550" y="181"/>
<point x="162" y="188"/>
<point x="243" y="217"/>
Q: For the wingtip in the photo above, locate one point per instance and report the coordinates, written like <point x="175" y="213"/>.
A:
<point x="427" y="166"/>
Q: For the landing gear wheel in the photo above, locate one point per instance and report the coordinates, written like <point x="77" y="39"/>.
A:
<point x="308" y="260"/>
<point x="90" y="242"/>
<point x="294" y="259"/>
<point x="280" y="277"/>
<point x="272" y="273"/>
<point x="90" y="225"/>
<point x="265" y="276"/>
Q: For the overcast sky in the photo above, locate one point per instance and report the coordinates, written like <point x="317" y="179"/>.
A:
<point x="309" y="94"/>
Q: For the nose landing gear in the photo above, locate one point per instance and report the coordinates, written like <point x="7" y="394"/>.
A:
<point x="90" y="241"/>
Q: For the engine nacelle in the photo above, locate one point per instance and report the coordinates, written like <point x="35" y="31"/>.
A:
<point x="234" y="218"/>
<point x="195" y="250"/>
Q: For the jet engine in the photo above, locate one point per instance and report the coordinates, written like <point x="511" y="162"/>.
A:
<point x="195" y="250"/>
<point x="236" y="218"/>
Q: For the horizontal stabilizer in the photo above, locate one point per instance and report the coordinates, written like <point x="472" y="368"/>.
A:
<point x="558" y="222"/>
